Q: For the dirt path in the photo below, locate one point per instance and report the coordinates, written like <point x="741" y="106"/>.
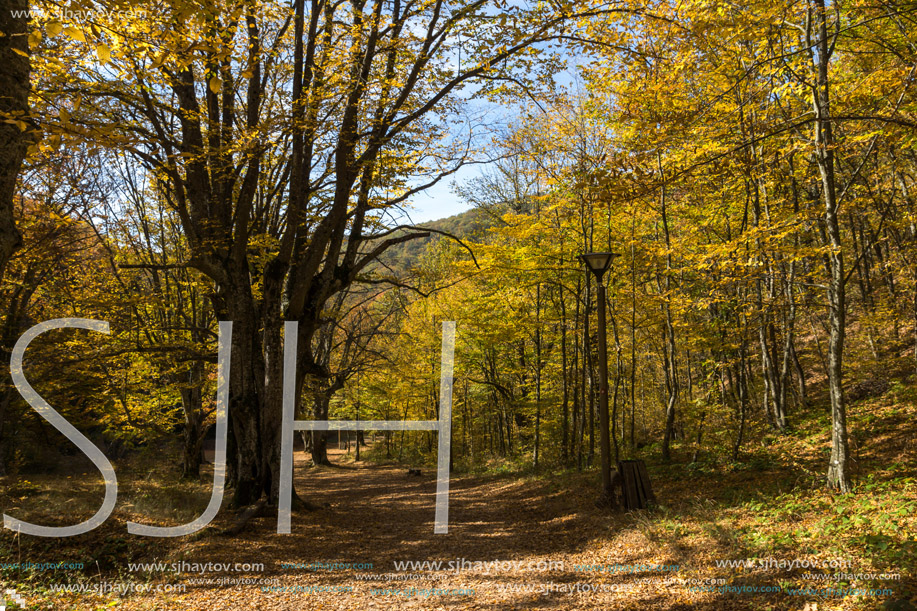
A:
<point x="537" y="531"/>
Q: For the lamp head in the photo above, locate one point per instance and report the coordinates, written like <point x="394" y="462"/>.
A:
<point x="598" y="262"/>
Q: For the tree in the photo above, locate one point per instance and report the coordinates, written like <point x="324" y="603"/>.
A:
<point x="61" y="271"/>
<point x="821" y="46"/>
<point x="15" y="124"/>
<point x="281" y="141"/>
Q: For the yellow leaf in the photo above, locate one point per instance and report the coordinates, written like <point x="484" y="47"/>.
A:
<point x="75" y="33"/>
<point x="34" y="38"/>
<point x="54" y="28"/>
<point x="103" y="53"/>
<point x="216" y="84"/>
<point x="158" y="60"/>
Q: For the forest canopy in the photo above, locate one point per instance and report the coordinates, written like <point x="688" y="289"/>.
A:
<point x="184" y="163"/>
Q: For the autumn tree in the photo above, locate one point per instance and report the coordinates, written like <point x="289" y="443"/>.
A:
<point x="281" y="138"/>
<point x="15" y="123"/>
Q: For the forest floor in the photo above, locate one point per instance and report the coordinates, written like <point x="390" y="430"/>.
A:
<point x="527" y="541"/>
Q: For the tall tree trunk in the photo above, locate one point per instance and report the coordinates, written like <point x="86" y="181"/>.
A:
<point x="192" y="407"/>
<point x="6" y="396"/>
<point x="578" y="385"/>
<point x="619" y="373"/>
<point x="272" y="410"/>
<point x="537" y="375"/>
<point x="740" y="384"/>
<point x="14" y="106"/>
<point x="565" y="383"/>
<point x="915" y="326"/>
<point x="790" y="346"/>
<point x="246" y="394"/>
<point x="839" y="468"/>
<point x="800" y="374"/>
<point x="589" y="374"/>
<point x="669" y="351"/>
<point x="633" y="339"/>
<point x="320" y="401"/>
<point x="789" y="330"/>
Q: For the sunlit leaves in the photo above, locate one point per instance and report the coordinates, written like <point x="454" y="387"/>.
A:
<point x="75" y="33"/>
<point x="103" y="53"/>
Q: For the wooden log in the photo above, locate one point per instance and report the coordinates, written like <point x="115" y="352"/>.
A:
<point x="638" y="483"/>
<point x="637" y="492"/>
<point x="645" y="477"/>
<point x="628" y="485"/>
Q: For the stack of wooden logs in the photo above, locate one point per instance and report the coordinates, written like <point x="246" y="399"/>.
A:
<point x="635" y="484"/>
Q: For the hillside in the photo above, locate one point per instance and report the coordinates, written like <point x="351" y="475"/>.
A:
<point x="466" y="225"/>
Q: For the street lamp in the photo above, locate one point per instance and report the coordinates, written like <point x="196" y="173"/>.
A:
<point x="598" y="263"/>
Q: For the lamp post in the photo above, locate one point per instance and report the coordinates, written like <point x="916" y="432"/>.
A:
<point x="598" y="263"/>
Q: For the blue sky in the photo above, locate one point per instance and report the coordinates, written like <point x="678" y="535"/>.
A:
<point x="439" y="201"/>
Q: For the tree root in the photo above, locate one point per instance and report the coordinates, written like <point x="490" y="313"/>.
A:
<point x="263" y="509"/>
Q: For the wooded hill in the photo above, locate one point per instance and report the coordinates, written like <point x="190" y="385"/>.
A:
<point x="466" y="225"/>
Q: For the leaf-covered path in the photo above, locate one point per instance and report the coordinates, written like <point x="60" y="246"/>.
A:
<point x="513" y="543"/>
<point x="518" y="544"/>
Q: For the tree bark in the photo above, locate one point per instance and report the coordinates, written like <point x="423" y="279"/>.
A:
<point x="838" y="468"/>
<point x="15" y="71"/>
<point x="5" y="397"/>
<point x="192" y="404"/>
<point x="537" y="376"/>
<point x="669" y="350"/>
<point x="320" y="438"/>
<point x="565" y="382"/>
<point x="246" y="389"/>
